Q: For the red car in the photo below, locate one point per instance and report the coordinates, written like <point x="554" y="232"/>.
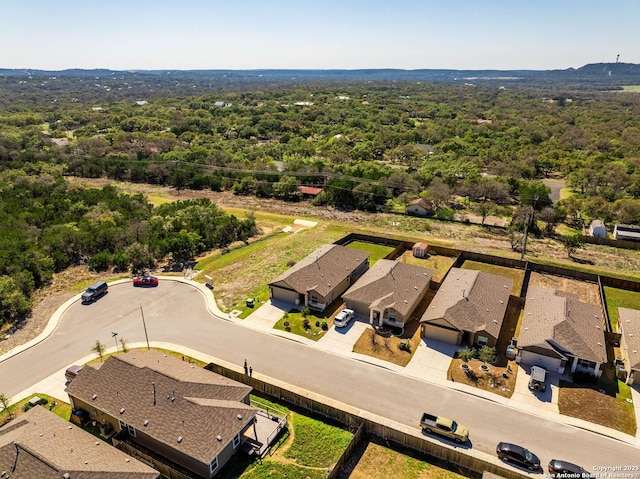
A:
<point x="145" y="281"/>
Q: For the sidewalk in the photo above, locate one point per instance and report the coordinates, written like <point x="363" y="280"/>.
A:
<point x="429" y="363"/>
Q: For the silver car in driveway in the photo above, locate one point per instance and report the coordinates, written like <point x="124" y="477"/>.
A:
<point x="343" y="318"/>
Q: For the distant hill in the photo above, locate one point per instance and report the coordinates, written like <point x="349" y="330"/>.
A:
<point x="596" y="75"/>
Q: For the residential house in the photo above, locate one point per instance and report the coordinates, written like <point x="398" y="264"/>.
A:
<point x="389" y="292"/>
<point x="469" y="308"/>
<point x="419" y="250"/>
<point x="420" y="207"/>
<point x="320" y="278"/>
<point x="597" y="229"/>
<point x="39" y="444"/>
<point x="185" y="414"/>
<point x="626" y="232"/>
<point x="561" y="333"/>
<point x="629" y="327"/>
<point x="309" y="191"/>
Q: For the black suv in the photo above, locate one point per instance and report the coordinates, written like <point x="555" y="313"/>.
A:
<point x="519" y="455"/>
<point x="566" y="470"/>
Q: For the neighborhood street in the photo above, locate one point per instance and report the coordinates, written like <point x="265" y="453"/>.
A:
<point x="176" y="313"/>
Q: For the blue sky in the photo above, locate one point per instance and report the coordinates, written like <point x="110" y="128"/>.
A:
<point x="346" y="34"/>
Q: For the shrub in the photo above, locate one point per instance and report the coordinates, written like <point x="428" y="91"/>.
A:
<point x="325" y="326"/>
<point x="287" y="326"/>
<point x="305" y="323"/>
<point x="100" y="261"/>
<point x="405" y="346"/>
<point x="444" y="214"/>
<point x="317" y="323"/>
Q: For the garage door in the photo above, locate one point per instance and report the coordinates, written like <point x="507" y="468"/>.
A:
<point x="441" y="334"/>
<point x="533" y="359"/>
<point x="281" y="294"/>
<point x="361" y="309"/>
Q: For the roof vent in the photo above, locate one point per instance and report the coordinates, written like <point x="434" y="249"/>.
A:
<point x="501" y="302"/>
<point x="97" y="443"/>
<point x="634" y="351"/>
<point x="219" y="437"/>
<point x="495" y="321"/>
<point x="64" y="476"/>
<point x="406" y="302"/>
<point x="597" y="327"/>
<point x="239" y="416"/>
<point x="70" y="427"/>
<point x="122" y="411"/>
<point x="94" y="397"/>
<point x="146" y="422"/>
<point x="599" y="344"/>
<point x="628" y="321"/>
<point x="415" y="287"/>
<point x="127" y="460"/>
<point x="526" y="329"/>
<point x="630" y="335"/>
<point x="179" y="439"/>
<point x="86" y="462"/>
<point x="173" y="399"/>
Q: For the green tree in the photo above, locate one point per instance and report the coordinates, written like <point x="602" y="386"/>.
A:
<point x="572" y="243"/>
<point x="487" y="354"/>
<point x="99" y="349"/>
<point x="466" y="354"/>
<point x="13" y="303"/>
<point x="4" y="402"/>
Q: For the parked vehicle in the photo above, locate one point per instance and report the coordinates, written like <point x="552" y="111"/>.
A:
<point x="95" y="291"/>
<point x="566" y="470"/>
<point x="145" y="281"/>
<point x="344" y="317"/>
<point x="72" y="372"/>
<point x="445" y="427"/>
<point x="538" y="379"/>
<point x="518" y="455"/>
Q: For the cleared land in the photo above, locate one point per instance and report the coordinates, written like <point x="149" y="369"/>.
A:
<point x="587" y="292"/>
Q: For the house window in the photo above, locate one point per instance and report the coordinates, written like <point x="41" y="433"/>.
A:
<point x="213" y="465"/>
<point x="314" y="298"/>
<point x="122" y="425"/>
<point x="132" y="430"/>
<point x="482" y="340"/>
<point x="583" y="363"/>
<point x="236" y="441"/>
<point x="392" y="317"/>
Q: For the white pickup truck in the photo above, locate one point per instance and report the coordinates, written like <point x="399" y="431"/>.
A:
<point x="445" y="427"/>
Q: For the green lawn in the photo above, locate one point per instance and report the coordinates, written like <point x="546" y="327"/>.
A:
<point x="296" y="324"/>
<point x="308" y="450"/>
<point x="440" y="264"/>
<point x="377" y="251"/>
<point x="616" y="298"/>
<point x="517" y="275"/>
<point x="317" y="444"/>
<point x="61" y="409"/>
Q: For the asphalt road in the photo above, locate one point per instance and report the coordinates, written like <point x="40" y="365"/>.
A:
<point x="176" y="313"/>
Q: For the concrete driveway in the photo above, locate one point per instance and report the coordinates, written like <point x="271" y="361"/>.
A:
<point x="536" y="402"/>
<point x="265" y="317"/>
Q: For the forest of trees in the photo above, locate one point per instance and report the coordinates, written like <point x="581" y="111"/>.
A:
<point x="368" y="144"/>
<point x="46" y="225"/>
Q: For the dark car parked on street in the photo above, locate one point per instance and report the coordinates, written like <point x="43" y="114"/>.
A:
<point x="566" y="470"/>
<point x="518" y="455"/>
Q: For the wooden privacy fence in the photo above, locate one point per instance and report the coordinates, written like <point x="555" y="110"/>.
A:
<point x="412" y="438"/>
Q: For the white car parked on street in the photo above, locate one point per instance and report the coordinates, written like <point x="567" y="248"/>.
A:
<point x="343" y="318"/>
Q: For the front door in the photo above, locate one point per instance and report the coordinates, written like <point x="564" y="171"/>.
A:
<point x="376" y="318"/>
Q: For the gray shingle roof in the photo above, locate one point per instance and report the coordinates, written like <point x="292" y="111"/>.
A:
<point x="391" y="284"/>
<point x="190" y="402"/>
<point x="629" y="321"/>
<point x="557" y="320"/>
<point x="322" y="270"/>
<point x="48" y="446"/>
<point x="471" y="301"/>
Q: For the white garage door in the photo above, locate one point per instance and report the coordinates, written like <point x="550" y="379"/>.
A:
<point x="441" y="334"/>
<point x="533" y="359"/>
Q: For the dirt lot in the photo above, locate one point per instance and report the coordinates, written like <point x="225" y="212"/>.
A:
<point x="588" y="292"/>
